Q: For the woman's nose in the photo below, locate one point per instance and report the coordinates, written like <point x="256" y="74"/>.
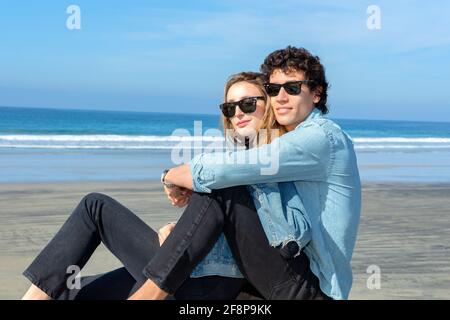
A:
<point x="238" y="112"/>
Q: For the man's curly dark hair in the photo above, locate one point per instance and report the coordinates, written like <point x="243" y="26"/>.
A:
<point x="300" y="59"/>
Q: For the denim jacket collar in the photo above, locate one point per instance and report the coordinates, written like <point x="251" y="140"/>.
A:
<point x="315" y="113"/>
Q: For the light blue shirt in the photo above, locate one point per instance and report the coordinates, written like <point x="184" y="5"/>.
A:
<point x="313" y="198"/>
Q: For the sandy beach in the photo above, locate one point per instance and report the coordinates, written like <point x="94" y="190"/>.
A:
<point x="405" y="231"/>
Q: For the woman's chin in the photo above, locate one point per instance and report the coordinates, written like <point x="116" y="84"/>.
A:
<point x="245" y="132"/>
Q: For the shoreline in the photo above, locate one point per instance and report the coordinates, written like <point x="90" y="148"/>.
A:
<point x="60" y="166"/>
<point x="157" y="182"/>
<point x="404" y="230"/>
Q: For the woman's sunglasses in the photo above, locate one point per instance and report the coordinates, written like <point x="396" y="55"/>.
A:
<point x="292" y="87"/>
<point x="247" y="105"/>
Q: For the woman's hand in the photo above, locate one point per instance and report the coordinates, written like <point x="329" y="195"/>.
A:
<point x="164" y="232"/>
<point x="178" y="196"/>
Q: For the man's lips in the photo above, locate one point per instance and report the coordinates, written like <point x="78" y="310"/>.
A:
<point x="283" y="110"/>
<point x="242" y="123"/>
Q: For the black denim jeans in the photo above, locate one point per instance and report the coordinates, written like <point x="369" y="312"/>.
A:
<point x="231" y="211"/>
<point x="99" y="218"/>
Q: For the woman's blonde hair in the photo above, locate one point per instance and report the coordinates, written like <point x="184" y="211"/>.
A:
<point x="269" y="121"/>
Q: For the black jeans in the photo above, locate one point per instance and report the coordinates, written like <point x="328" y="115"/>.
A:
<point x="99" y="218"/>
<point x="231" y="211"/>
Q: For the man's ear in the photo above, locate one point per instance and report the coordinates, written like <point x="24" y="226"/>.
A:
<point x="317" y="94"/>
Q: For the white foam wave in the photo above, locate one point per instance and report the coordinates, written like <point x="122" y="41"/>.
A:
<point x="195" y="142"/>
<point x="107" y="138"/>
<point x="402" y="140"/>
<point x="363" y="147"/>
<point x="125" y="147"/>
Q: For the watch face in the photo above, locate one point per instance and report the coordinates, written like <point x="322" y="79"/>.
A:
<point x="163" y="175"/>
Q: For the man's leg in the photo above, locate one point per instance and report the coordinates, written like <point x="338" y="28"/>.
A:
<point x="232" y="211"/>
<point x="268" y="269"/>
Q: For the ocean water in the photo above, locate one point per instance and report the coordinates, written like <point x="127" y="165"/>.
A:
<point x="67" y="145"/>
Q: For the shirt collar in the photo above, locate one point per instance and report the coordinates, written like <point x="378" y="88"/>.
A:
<point x="315" y="113"/>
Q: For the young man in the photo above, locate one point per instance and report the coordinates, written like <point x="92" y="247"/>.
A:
<point x="319" y="186"/>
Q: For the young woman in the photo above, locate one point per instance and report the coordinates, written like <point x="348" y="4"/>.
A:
<point x="99" y="218"/>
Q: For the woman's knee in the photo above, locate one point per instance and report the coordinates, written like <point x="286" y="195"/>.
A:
<point x="95" y="197"/>
<point x="93" y="203"/>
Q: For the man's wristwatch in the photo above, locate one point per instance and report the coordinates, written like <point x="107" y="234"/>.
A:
<point x="163" y="176"/>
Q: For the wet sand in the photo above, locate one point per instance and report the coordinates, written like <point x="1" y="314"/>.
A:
<point x="404" y="231"/>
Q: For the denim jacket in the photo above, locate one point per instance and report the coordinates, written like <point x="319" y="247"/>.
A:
<point x="317" y="200"/>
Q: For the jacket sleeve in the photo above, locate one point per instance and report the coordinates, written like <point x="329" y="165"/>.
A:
<point x="302" y="154"/>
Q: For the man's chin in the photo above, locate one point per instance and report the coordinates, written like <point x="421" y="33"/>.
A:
<point x="284" y="120"/>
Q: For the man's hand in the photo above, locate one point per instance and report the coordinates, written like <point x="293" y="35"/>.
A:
<point x="164" y="232"/>
<point x="178" y="196"/>
<point x="180" y="176"/>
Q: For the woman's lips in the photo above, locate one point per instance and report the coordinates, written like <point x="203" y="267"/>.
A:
<point x="283" y="110"/>
<point x="242" y="123"/>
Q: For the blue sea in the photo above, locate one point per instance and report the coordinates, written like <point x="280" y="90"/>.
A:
<point x="40" y="145"/>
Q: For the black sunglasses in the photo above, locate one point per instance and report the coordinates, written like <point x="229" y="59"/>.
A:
<point x="291" y="87"/>
<point x="247" y="105"/>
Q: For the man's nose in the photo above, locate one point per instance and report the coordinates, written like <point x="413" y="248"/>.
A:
<point x="282" y="95"/>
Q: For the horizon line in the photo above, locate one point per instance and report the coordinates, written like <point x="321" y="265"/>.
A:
<point x="198" y="113"/>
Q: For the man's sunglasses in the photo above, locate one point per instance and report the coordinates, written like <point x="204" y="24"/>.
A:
<point x="292" y="87"/>
<point x="247" y="105"/>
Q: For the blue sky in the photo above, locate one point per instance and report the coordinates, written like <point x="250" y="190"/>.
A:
<point x="175" y="56"/>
